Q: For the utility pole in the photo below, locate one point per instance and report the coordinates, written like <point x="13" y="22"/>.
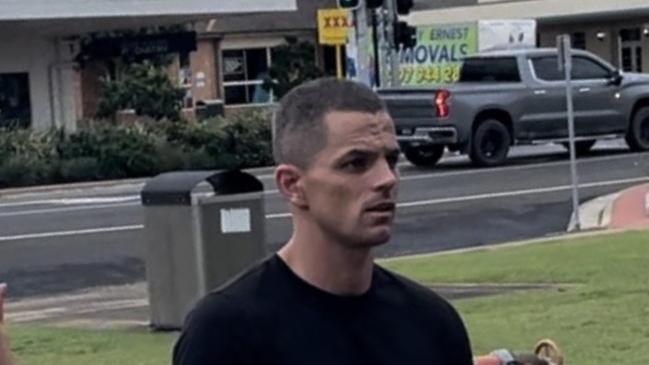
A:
<point x="392" y="48"/>
<point x="362" y="44"/>
<point x="565" y="65"/>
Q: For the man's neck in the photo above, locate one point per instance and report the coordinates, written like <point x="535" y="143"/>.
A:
<point x="329" y="266"/>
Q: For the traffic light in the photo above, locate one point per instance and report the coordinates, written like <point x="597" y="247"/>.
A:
<point x="349" y="4"/>
<point x="404" y="34"/>
<point x="404" y="6"/>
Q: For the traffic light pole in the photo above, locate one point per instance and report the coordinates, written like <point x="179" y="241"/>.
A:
<point x="392" y="53"/>
<point x="377" y="42"/>
<point x="362" y="43"/>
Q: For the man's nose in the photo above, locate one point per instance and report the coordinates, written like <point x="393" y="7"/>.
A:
<point x="387" y="176"/>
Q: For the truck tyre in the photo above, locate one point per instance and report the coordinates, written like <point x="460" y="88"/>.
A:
<point x="581" y="147"/>
<point x="490" y="143"/>
<point x="425" y="156"/>
<point x="638" y="135"/>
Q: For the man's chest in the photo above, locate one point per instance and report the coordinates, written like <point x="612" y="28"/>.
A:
<point x="361" y="340"/>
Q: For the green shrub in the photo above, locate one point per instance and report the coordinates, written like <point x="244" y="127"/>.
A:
<point x="108" y="151"/>
<point x="249" y="139"/>
<point x="27" y="142"/>
<point x="144" y="87"/>
<point x="78" y="169"/>
<point x="25" y="170"/>
<point x="120" y="151"/>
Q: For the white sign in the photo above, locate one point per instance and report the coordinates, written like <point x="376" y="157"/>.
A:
<point x="506" y="34"/>
<point x="235" y="220"/>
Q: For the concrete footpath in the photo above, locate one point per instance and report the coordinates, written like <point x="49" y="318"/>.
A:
<point x="127" y="306"/>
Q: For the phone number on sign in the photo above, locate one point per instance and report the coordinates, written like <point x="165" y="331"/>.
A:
<point x="433" y="74"/>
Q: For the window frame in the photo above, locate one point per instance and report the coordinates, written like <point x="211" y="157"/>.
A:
<point x="245" y="83"/>
<point x="499" y="58"/>
<point x="536" y="77"/>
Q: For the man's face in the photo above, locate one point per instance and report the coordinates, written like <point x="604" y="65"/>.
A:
<point x="350" y="186"/>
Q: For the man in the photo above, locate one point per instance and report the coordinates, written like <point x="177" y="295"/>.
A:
<point x="321" y="299"/>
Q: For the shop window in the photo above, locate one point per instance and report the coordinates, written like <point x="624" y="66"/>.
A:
<point x="630" y="35"/>
<point x="244" y="71"/>
<point x="15" y="106"/>
<point x="185" y="79"/>
<point x="579" y="40"/>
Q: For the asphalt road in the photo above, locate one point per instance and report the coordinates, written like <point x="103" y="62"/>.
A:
<point x="77" y="238"/>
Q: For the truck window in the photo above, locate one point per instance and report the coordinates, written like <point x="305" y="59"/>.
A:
<point x="586" y="69"/>
<point x="546" y="68"/>
<point x="490" y="69"/>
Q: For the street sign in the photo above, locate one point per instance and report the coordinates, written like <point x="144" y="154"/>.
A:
<point x="565" y="65"/>
<point x="563" y="47"/>
<point x="333" y="25"/>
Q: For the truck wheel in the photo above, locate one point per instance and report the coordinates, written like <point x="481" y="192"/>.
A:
<point x="638" y="135"/>
<point x="426" y="156"/>
<point x="581" y="147"/>
<point x="490" y="143"/>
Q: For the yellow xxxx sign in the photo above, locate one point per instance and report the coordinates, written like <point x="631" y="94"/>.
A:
<point x="333" y="25"/>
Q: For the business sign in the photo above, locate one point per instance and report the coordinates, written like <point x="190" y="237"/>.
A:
<point x="141" y="46"/>
<point x="438" y="55"/>
<point x="333" y="25"/>
<point x="506" y="34"/>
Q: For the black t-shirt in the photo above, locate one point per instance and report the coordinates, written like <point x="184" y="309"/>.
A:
<point x="269" y="316"/>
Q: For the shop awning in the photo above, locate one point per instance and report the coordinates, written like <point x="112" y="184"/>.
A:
<point x="69" y="17"/>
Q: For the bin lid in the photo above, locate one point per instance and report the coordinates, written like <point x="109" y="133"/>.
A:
<point x="175" y="188"/>
<point x="207" y="102"/>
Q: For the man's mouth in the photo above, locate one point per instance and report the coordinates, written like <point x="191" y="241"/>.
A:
<point x="383" y="207"/>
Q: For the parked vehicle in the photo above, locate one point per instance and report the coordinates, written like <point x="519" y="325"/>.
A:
<point x="519" y="97"/>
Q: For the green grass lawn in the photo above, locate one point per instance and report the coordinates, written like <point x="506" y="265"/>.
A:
<point x="602" y="319"/>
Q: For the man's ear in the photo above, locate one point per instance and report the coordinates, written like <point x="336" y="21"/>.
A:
<point x="289" y="181"/>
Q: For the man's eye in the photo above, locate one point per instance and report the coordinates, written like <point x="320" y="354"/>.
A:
<point x="393" y="159"/>
<point x="355" y="164"/>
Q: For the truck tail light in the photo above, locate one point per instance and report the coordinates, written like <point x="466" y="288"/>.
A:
<point x="441" y="97"/>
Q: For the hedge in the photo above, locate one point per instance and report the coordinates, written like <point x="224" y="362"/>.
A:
<point x="101" y="151"/>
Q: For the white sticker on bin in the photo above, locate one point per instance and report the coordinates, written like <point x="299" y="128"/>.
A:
<point x="235" y="220"/>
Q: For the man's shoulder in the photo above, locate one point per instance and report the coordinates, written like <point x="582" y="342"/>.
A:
<point x="231" y="300"/>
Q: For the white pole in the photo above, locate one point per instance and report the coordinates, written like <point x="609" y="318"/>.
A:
<point x="571" y="131"/>
<point x="362" y="44"/>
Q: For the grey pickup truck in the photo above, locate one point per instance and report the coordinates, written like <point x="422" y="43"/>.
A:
<point x="519" y="97"/>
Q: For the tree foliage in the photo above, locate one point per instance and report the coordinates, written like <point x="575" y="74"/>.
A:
<point x="293" y="64"/>
<point x="144" y="87"/>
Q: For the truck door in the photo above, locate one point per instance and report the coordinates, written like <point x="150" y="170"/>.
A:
<point x="598" y="109"/>
<point x="544" y="113"/>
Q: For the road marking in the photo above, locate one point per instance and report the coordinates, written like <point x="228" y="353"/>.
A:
<point x="513" y="168"/>
<point x="73" y="201"/>
<point x="71" y="233"/>
<point x="552" y="189"/>
<point x="399" y="205"/>
<point x="114" y="199"/>
<point x="70" y="209"/>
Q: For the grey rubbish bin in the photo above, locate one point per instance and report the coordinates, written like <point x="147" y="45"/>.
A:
<point x="201" y="228"/>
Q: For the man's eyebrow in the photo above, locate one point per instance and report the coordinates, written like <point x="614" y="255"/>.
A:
<point x="357" y="152"/>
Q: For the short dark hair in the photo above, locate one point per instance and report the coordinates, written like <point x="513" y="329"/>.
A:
<point x="299" y="131"/>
